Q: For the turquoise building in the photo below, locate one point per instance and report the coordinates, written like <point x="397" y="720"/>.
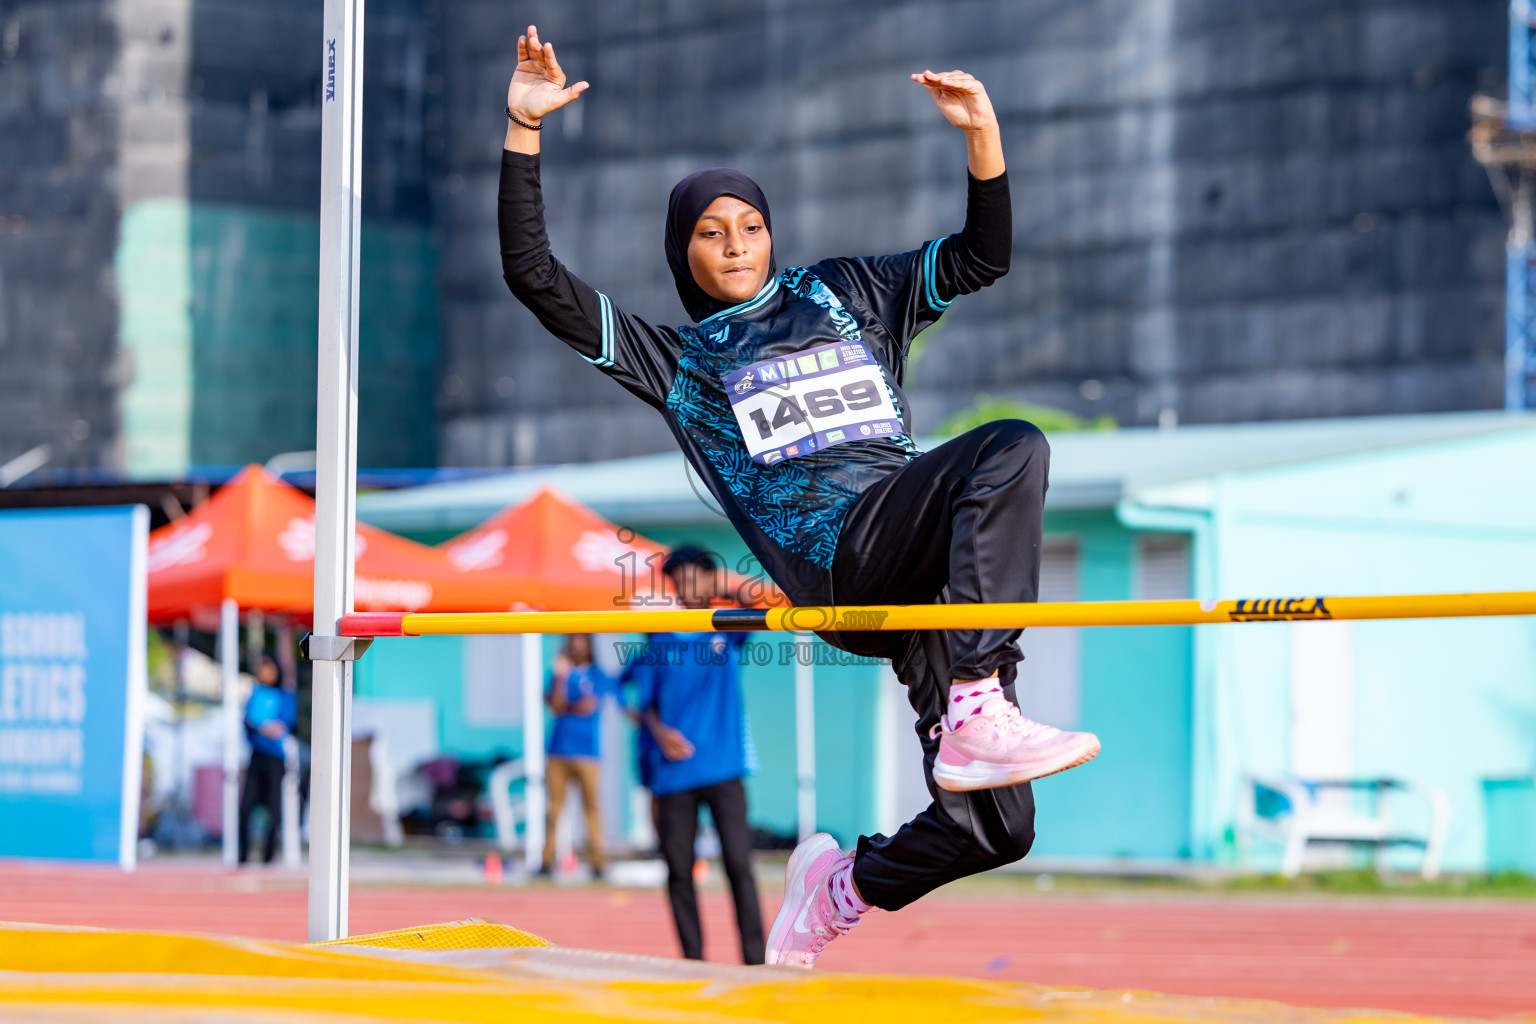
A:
<point x="1187" y="714"/>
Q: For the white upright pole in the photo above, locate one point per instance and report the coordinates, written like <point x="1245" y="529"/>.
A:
<point x="533" y="750"/>
<point x="229" y="665"/>
<point x="805" y="734"/>
<point x="341" y="134"/>
<point x="138" y="690"/>
<point x="888" y="735"/>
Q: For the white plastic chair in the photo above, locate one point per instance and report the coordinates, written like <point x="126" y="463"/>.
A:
<point x="1312" y="819"/>
<point x="506" y="810"/>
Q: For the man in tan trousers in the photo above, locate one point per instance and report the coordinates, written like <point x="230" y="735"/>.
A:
<point x="575" y="695"/>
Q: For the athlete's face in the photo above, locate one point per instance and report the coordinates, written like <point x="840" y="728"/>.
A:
<point x="729" y="250"/>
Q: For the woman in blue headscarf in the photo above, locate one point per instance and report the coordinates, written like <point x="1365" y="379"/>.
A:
<point x="785" y="395"/>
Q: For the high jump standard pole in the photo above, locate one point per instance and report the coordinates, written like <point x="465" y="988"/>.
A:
<point x="341" y="137"/>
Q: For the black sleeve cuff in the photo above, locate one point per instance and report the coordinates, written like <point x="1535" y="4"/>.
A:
<point x="518" y="169"/>
<point x="997" y="184"/>
<point x="512" y="159"/>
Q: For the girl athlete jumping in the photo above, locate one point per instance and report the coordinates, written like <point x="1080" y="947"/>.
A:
<point x="785" y="396"/>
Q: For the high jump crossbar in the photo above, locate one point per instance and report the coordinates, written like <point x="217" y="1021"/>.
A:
<point x="943" y="616"/>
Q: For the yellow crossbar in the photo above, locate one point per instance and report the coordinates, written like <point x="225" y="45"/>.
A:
<point x="945" y="616"/>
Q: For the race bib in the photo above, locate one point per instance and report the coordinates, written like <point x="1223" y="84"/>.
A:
<point x="811" y="400"/>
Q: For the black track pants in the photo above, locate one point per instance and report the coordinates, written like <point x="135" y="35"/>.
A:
<point x="960" y="524"/>
<point x="677" y="826"/>
<point x="263" y="788"/>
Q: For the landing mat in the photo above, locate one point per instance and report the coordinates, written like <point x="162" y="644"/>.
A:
<point x="481" y="971"/>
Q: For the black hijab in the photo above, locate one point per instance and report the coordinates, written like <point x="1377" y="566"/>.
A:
<point x="690" y="198"/>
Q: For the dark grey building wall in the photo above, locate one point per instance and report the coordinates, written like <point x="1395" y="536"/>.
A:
<point x="255" y="84"/>
<point x="1222" y="211"/>
<point x="225" y="114"/>
<point x="58" y="230"/>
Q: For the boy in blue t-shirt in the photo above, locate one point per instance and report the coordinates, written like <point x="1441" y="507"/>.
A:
<point x="575" y="694"/>
<point x="691" y="705"/>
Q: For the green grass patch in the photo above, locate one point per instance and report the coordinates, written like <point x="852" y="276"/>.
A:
<point x="1365" y="882"/>
<point x="1355" y="882"/>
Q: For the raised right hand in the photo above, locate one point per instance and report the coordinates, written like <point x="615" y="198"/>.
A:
<point x="538" y="85"/>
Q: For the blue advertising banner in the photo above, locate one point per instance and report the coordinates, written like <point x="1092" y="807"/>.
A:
<point x="72" y="681"/>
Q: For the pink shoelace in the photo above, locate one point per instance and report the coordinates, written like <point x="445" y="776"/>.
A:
<point x="1007" y="718"/>
<point x="825" y="934"/>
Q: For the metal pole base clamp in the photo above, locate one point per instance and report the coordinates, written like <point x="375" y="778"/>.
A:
<point x="334" y="648"/>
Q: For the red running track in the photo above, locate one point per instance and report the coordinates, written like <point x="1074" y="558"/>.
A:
<point x="1461" y="958"/>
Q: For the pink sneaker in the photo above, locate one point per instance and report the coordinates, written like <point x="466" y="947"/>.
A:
<point x="807" y="920"/>
<point x="1000" y="747"/>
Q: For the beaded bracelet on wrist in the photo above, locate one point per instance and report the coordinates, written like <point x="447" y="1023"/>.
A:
<point x="517" y="120"/>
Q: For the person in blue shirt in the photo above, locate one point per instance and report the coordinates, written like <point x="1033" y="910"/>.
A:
<point x="270" y="714"/>
<point x="691" y="704"/>
<point x="575" y="695"/>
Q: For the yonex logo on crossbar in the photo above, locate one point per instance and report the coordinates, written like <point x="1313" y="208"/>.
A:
<point x="1279" y="609"/>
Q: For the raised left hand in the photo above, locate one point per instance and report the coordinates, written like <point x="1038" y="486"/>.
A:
<point x="960" y="97"/>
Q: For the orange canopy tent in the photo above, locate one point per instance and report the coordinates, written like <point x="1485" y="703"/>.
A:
<point x="564" y="556"/>
<point x="254" y="542"/>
